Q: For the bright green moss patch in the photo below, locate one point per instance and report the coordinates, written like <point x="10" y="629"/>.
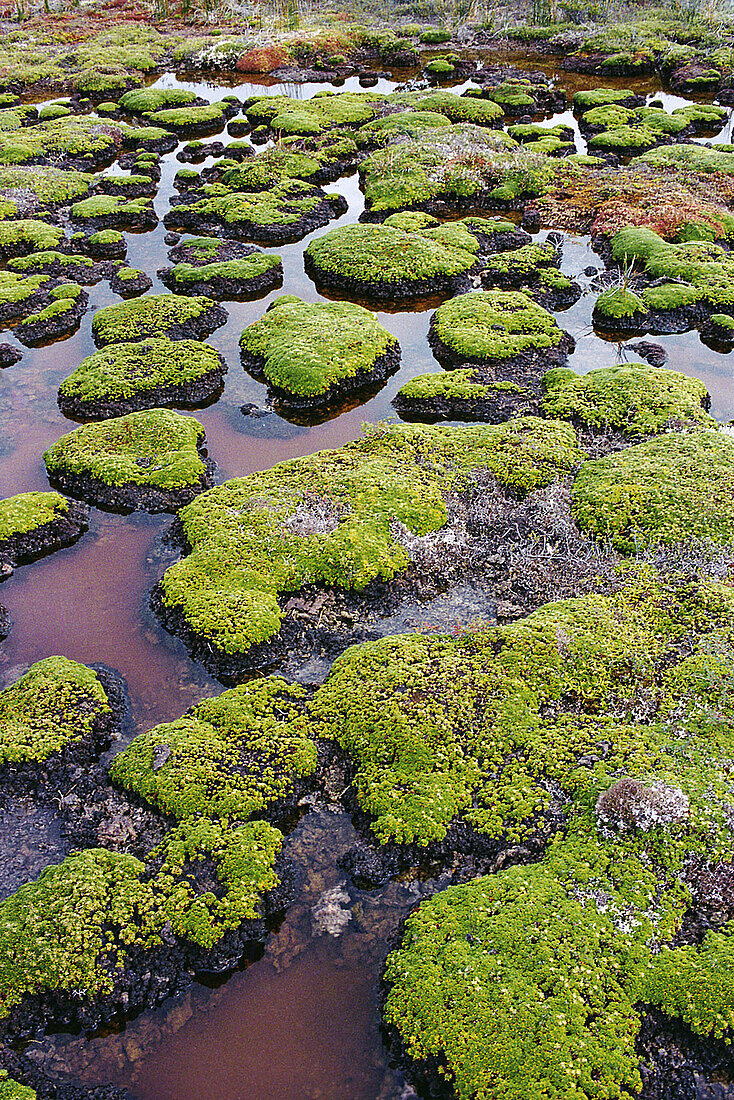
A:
<point x="384" y="257"/>
<point x="186" y="118"/>
<point x="70" y="929"/>
<point x="55" y="704"/>
<point x="229" y="757"/>
<point x="619" y="304"/>
<point x="155" y="448"/>
<point x="527" y="982"/>
<point x="489" y="325"/>
<point x="153" y="316"/>
<point x="305" y="349"/>
<point x="693" y="158"/>
<point x="244" y="861"/>
<point x="124" y="372"/>
<point x="663" y="491"/>
<point x="241" y="273"/>
<point x="598" y="97"/>
<point x="456" y="163"/>
<point x="27" y="235"/>
<point x="704" y="265"/>
<point x="633" y="397"/>
<point x="12" y="1090"/>
<point x="50" y="186"/>
<point x="143" y="101"/>
<point x="245" y="535"/>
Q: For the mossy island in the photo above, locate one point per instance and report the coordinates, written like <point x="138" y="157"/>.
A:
<point x="153" y="460"/>
<point x="173" y="315"/>
<point x="126" y="377"/>
<point x="386" y="263"/>
<point x="330" y="520"/>
<point x="311" y="353"/>
<point x="37" y="523"/>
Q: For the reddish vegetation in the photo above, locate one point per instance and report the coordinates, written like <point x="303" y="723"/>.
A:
<point x="263" y="59"/>
<point x="601" y="203"/>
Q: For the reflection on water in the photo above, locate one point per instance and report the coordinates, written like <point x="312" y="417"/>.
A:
<point x="303" y="1021"/>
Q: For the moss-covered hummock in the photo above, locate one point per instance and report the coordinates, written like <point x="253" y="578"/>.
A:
<point x="496" y="327"/>
<point x="533" y="268"/>
<point x="173" y="315"/>
<point x="462" y="395"/>
<point x="633" y="398"/>
<point x="126" y="377"/>
<point x="529" y="983"/>
<point x="376" y="261"/>
<point x="251" y="538"/>
<point x="249" y="276"/>
<point x="460" y="165"/>
<point x="286" y="212"/>
<point x="190" y="120"/>
<point x="153" y="460"/>
<point x="18" y="238"/>
<point x="55" y="705"/>
<point x="230" y="757"/>
<point x="666" y="490"/>
<point x="143" y="101"/>
<point x="36" y="523"/>
<point x="310" y="352"/>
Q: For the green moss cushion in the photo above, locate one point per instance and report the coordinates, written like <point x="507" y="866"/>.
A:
<point x="173" y="315"/>
<point x="631" y="397"/>
<point x="530" y="982"/>
<point x="666" y="490"/>
<point x="492" y="326"/>
<point x="251" y="275"/>
<point x="149" y="459"/>
<point x="307" y="350"/>
<point x="246" y="545"/>
<point x="142" y="101"/>
<point x="55" y="704"/>
<point x="287" y="211"/>
<point x="230" y="757"/>
<point x="35" y="523"/>
<point x="130" y="376"/>
<point x="385" y="262"/>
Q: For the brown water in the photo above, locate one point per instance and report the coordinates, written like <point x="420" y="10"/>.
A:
<point x="302" y="1022"/>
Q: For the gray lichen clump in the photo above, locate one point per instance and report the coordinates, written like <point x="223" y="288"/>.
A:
<point x="126" y="377"/>
<point x="308" y="352"/>
<point x="153" y="459"/>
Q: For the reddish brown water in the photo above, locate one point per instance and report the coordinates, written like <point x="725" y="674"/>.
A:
<point x="302" y="1023"/>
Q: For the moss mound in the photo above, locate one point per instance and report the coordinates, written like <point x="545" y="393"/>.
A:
<point x="490" y="326"/>
<point x="251" y="275"/>
<point x="172" y="315"/>
<point x="143" y="101"/>
<point x="528" y="982"/>
<point x="131" y="376"/>
<point x="56" y="704"/>
<point x="286" y="212"/>
<point x="245" y="536"/>
<point x="458" y="165"/>
<point x="384" y="262"/>
<point x="307" y="350"/>
<point x="230" y="757"/>
<point x="188" y="119"/>
<point x="665" y="490"/>
<point x="148" y="459"/>
<point x="634" y="398"/>
<point x="35" y="523"/>
<point x="704" y="265"/>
